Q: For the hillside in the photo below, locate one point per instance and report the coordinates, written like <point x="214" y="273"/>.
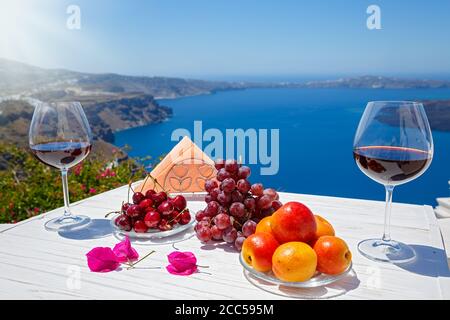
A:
<point x="115" y="102"/>
<point x="17" y="78"/>
<point x="438" y="114"/>
<point x="112" y="102"/>
<point x="106" y="115"/>
<point x="377" y="82"/>
<point x="21" y="79"/>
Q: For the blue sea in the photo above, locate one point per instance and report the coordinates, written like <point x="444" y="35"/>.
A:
<point x="316" y="130"/>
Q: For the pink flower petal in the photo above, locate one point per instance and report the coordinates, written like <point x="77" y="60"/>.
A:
<point x="182" y="260"/>
<point x="102" y="260"/>
<point x="124" y="252"/>
<point x="182" y="263"/>
<point x="172" y="270"/>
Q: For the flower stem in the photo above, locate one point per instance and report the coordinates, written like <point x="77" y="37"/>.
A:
<point x="133" y="264"/>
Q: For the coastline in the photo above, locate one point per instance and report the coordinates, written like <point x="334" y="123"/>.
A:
<point x="306" y="119"/>
<point x="428" y="103"/>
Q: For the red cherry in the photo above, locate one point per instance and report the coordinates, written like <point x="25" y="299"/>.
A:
<point x="185" y="217"/>
<point x="164" y="225"/>
<point x="125" y="206"/>
<point x="140" y="226"/>
<point x="179" y="202"/>
<point x="159" y="198"/>
<point x="146" y="203"/>
<point x="166" y="208"/>
<point x="134" y="211"/>
<point x="123" y="222"/>
<point x="138" y="197"/>
<point x="149" y="194"/>
<point x="152" y="218"/>
<point x="175" y="216"/>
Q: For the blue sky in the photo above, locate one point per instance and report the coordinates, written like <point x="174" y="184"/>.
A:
<point x="230" y="38"/>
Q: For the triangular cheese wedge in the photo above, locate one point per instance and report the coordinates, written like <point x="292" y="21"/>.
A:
<point x="185" y="169"/>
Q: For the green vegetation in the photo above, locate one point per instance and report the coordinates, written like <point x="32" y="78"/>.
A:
<point x="28" y="187"/>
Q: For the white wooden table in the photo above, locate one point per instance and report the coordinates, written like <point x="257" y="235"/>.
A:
<point x="37" y="264"/>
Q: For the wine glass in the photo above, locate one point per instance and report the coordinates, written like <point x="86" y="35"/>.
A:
<point x="60" y="137"/>
<point x="393" y="145"/>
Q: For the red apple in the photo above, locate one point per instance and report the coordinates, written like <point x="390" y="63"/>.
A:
<point x="293" y="222"/>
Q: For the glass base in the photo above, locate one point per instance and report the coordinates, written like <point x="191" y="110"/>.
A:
<point x="67" y="223"/>
<point x="386" y="251"/>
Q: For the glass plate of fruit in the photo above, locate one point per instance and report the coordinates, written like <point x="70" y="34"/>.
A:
<point x="317" y="280"/>
<point x="152" y="215"/>
<point x="291" y="251"/>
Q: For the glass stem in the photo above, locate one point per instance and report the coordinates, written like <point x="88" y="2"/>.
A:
<point x="67" y="212"/>
<point x="387" y="214"/>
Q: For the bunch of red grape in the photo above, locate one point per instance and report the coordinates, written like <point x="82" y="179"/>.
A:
<point x="234" y="206"/>
<point x="154" y="210"/>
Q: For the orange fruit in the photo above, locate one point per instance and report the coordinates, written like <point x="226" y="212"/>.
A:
<point x="258" y="249"/>
<point x="333" y="255"/>
<point x="294" y="262"/>
<point x="264" y="225"/>
<point x="324" y="228"/>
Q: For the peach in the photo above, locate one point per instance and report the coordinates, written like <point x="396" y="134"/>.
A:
<point x="294" y="262"/>
<point x="264" y="225"/>
<point x="333" y="255"/>
<point x="324" y="228"/>
<point x="257" y="251"/>
<point x="293" y="222"/>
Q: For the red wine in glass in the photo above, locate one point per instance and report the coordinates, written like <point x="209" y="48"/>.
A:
<point x="61" y="154"/>
<point x="60" y="137"/>
<point x="393" y="145"/>
<point x="391" y="165"/>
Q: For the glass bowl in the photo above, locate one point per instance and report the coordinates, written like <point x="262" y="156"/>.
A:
<point x="318" y="280"/>
<point x="151" y="233"/>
